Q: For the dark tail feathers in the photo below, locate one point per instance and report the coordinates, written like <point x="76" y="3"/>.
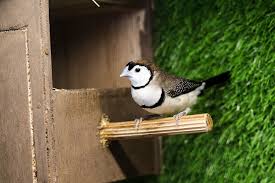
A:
<point x="219" y="79"/>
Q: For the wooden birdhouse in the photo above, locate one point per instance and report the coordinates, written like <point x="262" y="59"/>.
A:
<point x="59" y="74"/>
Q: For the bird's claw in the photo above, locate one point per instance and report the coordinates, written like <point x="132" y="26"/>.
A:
<point x="180" y="114"/>
<point x="137" y="122"/>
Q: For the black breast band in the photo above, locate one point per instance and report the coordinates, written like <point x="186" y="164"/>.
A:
<point x="159" y="102"/>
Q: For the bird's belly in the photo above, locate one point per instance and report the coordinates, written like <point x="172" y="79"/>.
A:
<point x="175" y="105"/>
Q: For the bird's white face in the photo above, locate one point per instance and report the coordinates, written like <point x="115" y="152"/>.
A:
<point x="139" y="75"/>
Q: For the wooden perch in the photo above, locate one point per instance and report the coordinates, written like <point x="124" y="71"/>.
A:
<point x="152" y="128"/>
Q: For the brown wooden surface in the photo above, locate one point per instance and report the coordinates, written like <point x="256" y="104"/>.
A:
<point x="90" y="52"/>
<point x="25" y="83"/>
<point x="80" y="156"/>
<point x="15" y="137"/>
<point x="197" y="123"/>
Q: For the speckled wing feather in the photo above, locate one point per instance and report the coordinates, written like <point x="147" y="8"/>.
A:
<point x="176" y="86"/>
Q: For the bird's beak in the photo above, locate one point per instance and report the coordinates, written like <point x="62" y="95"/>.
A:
<point x="124" y="72"/>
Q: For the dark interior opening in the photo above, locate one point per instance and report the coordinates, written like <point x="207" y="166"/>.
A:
<point x="91" y="45"/>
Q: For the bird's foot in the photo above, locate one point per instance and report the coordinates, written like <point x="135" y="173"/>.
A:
<point x="147" y="117"/>
<point x="137" y="122"/>
<point x="180" y="114"/>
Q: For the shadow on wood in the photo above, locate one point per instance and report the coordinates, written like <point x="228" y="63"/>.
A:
<point x="122" y="159"/>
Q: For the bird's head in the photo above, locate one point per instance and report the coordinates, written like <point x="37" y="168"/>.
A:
<point x="139" y="72"/>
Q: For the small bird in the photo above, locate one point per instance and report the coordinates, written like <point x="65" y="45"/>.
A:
<point x="161" y="93"/>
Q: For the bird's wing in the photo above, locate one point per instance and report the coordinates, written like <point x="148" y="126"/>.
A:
<point x="176" y="86"/>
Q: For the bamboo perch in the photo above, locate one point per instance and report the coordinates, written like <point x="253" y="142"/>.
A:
<point x="197" y="123"/>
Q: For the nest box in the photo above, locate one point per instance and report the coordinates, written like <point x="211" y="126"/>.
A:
<point x="59" y="73"/>
<point x="51" y="53"/>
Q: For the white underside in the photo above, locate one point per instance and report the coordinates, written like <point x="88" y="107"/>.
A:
<point x="150" y="95"/>
<point x="147" y="96"/>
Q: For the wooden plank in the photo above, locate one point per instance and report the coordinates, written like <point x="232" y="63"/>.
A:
<point x="80" y="156"/>
<point x="15" y="109"/>
<point x="31" y="17"/>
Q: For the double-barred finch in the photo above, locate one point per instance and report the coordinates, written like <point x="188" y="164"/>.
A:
<point x="161" y="93"/>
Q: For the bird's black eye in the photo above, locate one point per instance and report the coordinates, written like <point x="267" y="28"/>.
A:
<point x="137" y="69"/>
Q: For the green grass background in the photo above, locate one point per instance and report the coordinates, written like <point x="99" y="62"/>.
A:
<point x="202" y="38"/>
<point x="199" y="39"/>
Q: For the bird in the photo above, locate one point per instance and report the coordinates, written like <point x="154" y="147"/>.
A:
<point x="160" y="93"/>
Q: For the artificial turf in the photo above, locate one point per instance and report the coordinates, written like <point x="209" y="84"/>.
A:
<point x="199" y="39"/>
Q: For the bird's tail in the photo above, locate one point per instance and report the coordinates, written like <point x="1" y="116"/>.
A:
<point x="219" y="79"/>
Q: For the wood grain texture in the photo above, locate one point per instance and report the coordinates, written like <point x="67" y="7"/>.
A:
<point x="15" y="132"/>
<point x="31" y="17"/>
<point x="80" y="157"/>
<point x="90" y="52"/>
<point x="153" y="128"/>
